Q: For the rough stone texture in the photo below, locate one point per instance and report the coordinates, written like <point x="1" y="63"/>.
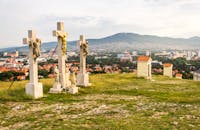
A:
<point x="33" y="88"/>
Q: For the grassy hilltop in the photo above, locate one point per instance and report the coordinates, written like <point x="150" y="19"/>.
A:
<point x="114" y="101"/>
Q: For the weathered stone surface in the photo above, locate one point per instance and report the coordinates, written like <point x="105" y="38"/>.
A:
<point x="73" y="90"/>
<point x="61" y="51"/>
<point x="83" y="76"/>
<point x="67" y="74"/>
<point x="33" y="88"/>
<point x="57" y="86"/>
<point x="83" y="79"/>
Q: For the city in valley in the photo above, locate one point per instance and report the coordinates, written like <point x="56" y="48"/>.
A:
<point x="15" y="65"/>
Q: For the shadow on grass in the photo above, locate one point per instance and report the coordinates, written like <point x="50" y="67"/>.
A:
<point x="14" y="95"/>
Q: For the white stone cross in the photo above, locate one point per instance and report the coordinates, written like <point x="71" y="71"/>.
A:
<point x="61" y="51"/>
<point x="33" y="88"/>
<point x="83" y="76"/>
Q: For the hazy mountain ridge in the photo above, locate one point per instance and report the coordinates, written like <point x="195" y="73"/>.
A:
<point x="121" y="41"/>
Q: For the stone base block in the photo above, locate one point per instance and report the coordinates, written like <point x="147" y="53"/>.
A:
<point x="73" y="90"/>
<point x="83" y="80"/>
<point x="56" y="88"/>
<point x="34" y="90"/>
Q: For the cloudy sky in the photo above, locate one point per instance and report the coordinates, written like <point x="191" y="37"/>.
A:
<point x="97" y="18"/>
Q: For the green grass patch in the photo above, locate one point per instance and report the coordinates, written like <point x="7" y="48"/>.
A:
<point x="114" y="101"/>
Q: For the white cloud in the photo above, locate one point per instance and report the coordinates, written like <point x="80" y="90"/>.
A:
<point x="98" y="18"/>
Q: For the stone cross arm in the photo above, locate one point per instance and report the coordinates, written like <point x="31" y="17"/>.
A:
<point x="31" y="37"/>
<point x="60" y="30"/>
<point x="26" y="40"/>
<point x="59" y="34"/>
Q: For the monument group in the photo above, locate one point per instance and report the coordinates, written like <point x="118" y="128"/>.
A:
<point x="66" y="81"/>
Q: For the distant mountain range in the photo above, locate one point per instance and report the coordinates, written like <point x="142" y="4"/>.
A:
<point x="130" y="41"/>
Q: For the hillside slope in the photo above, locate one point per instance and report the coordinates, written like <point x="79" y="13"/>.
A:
<point x="114" y="101"/>
<point x="122" y="41"/>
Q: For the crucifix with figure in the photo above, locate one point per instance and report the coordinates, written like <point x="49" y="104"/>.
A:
<point x="83" y="76"/>
<point x="33" y="88"/>
<point x="61" y="51"/>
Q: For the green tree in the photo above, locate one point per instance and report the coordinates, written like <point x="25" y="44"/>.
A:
<point x="43" y="73"/>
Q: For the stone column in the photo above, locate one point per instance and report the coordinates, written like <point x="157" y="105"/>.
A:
<point x="83" y="76"/>
<point x="33" y="88"/>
